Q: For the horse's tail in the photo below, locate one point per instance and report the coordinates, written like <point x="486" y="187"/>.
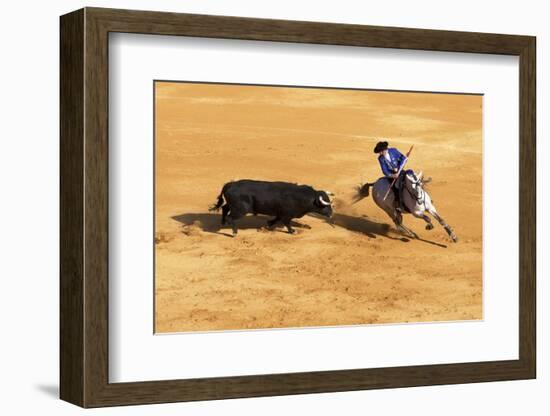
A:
<point x="362" y="191"/>
<point x="219" y="203"/>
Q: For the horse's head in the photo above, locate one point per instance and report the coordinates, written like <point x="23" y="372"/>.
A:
<point x="415" y="183"/>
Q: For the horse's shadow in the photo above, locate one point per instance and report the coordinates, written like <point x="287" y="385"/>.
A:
<point x="364" y="226"/>
<point x="372" y="228"/>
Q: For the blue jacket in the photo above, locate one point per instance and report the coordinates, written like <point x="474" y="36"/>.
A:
<point x="397" y="159"/>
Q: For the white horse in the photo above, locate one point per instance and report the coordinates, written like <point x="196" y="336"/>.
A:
<point x="415" y="199"/>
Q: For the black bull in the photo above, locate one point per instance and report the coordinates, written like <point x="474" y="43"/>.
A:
<point x="282" y="200"/>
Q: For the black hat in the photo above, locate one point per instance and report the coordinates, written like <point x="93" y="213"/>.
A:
<point x="380" y="146"/>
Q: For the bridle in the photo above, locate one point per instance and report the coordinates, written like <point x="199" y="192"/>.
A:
<point x="421" y="198"/>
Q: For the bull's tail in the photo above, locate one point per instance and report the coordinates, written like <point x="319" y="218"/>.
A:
<point x="362" y="191"/>
<point x="219" y="203"/>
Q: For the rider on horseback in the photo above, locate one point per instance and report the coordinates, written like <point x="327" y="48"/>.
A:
<point x="391" y="160"/>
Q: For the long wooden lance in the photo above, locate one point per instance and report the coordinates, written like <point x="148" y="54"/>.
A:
<point x="399" y="172"/>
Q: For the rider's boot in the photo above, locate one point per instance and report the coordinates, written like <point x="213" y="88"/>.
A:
<point x="398" y="201"/>
<point x="400" y="207"/>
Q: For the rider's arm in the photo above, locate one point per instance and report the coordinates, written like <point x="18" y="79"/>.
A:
<point x="401" y="157"/>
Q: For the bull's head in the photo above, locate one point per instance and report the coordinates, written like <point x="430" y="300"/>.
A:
<point x="323" y="204"/>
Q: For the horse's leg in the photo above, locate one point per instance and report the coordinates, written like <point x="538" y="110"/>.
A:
<point x="447" y="227"/>
<point x="429" y="225"/>
<point x="422" y="216"/>
<point x="397" y="218"/>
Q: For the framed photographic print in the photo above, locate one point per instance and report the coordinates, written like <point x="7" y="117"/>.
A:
<point x="254" y="207"/>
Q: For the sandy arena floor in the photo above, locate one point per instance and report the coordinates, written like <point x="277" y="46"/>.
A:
<point x="360" y="271"/>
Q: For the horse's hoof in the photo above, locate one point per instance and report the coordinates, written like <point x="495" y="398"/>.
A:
<point x="454" y="238"/>
<point x="429" y="227"/>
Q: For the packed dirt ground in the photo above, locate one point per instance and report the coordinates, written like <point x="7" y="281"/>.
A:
<point x="358" y="270"/>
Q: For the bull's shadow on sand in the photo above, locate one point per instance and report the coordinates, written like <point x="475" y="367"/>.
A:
<point x="211" y="223"/>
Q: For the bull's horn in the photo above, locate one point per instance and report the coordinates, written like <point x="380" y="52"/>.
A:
<point x="322" y="201"/>
<point x="419" y="176"/>
<point x="329" y="193"/>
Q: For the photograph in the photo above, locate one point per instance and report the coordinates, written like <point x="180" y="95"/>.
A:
<point x="299" y="206"/>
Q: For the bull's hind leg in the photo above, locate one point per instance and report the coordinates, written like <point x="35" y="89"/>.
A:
<point x="225" y="211"/>
<point x="273" y="222"/>
<point x="232" y="217"/>
<point x="286" y="222"/>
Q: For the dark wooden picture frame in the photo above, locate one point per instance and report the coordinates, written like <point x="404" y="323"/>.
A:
<point x="84" y="207"/>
